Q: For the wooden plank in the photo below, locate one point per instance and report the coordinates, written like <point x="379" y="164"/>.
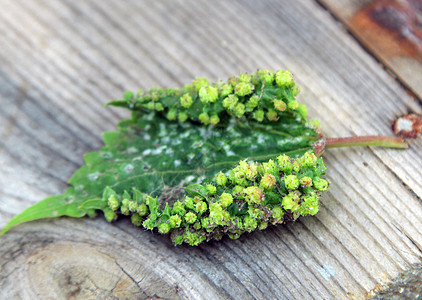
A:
<point x="390" y="30"/>
<point x="61" y="63"/>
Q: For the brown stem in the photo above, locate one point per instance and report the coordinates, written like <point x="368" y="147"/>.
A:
<point x="381" y="141"/>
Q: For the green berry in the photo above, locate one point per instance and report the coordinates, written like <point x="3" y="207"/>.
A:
<point x="268" y="167"/>
<point x="124" y="209"/>
<point x="296" y="165"/>
<point x="263" y="225"/>
<point x="150" y="105"/>
<point x="197" y="226"/>
<point x="205" y="222"/>
<point x="218" y="216"/>
<point x="238" y="191"/>
<point x="193" y="239"/>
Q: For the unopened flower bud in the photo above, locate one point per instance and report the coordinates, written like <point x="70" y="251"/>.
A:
<point x="211" y="189"/>
<point x="272" y="115"/>
<point x="259" y="115"/>
<point x="267" y="182"/>
<point x="214" y="120"/>
<point x="200" y="82"/>
<point x="230" y="102"/>
<point x="186" y="100"/>
<point x="190" y="217"/>
<point x="253" y="195"/>
<point x="321" y="184"/>
<point x="208" y="94"/>
<point x="284" y="78"/>
<point x="136" y="219"/>
<point x="172" y="114"/>
<point x="291" y="182"/>
<point x="163" y="228"/>
<point x="175" y="221"/>
<point x="204" y="118"/>
<point x="245" y="78"/>
<point x="221" y="179"/>
<point x="243" y="89"/>
<point x="279" y="105"/>
<point x="142" y="209"/>
<point x="182" y="116"/>
<point x="226" y="199"/>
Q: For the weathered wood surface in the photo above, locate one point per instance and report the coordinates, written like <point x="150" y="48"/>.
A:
<point x="391" y="30"/>
<point x="62" y="60"/>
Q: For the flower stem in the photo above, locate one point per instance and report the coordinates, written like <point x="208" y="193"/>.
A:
<point x="381" y="141"/>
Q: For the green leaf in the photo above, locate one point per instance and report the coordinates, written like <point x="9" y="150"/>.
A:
<point x="151" y="153"/>
<point x="67" y="204"/>
<point x="147" y="167"/>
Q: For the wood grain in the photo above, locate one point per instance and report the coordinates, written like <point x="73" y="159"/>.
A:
<point x="61" y="61"/>
<point x="396" y="43"/>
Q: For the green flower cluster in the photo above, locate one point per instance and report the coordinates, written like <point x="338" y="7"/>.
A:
<point x="251" y="196"/>
<point x="263" y="96"/>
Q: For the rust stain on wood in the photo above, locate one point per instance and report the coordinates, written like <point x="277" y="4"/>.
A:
<point x="409" y="126"/>
<point x="393" y="27"/>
